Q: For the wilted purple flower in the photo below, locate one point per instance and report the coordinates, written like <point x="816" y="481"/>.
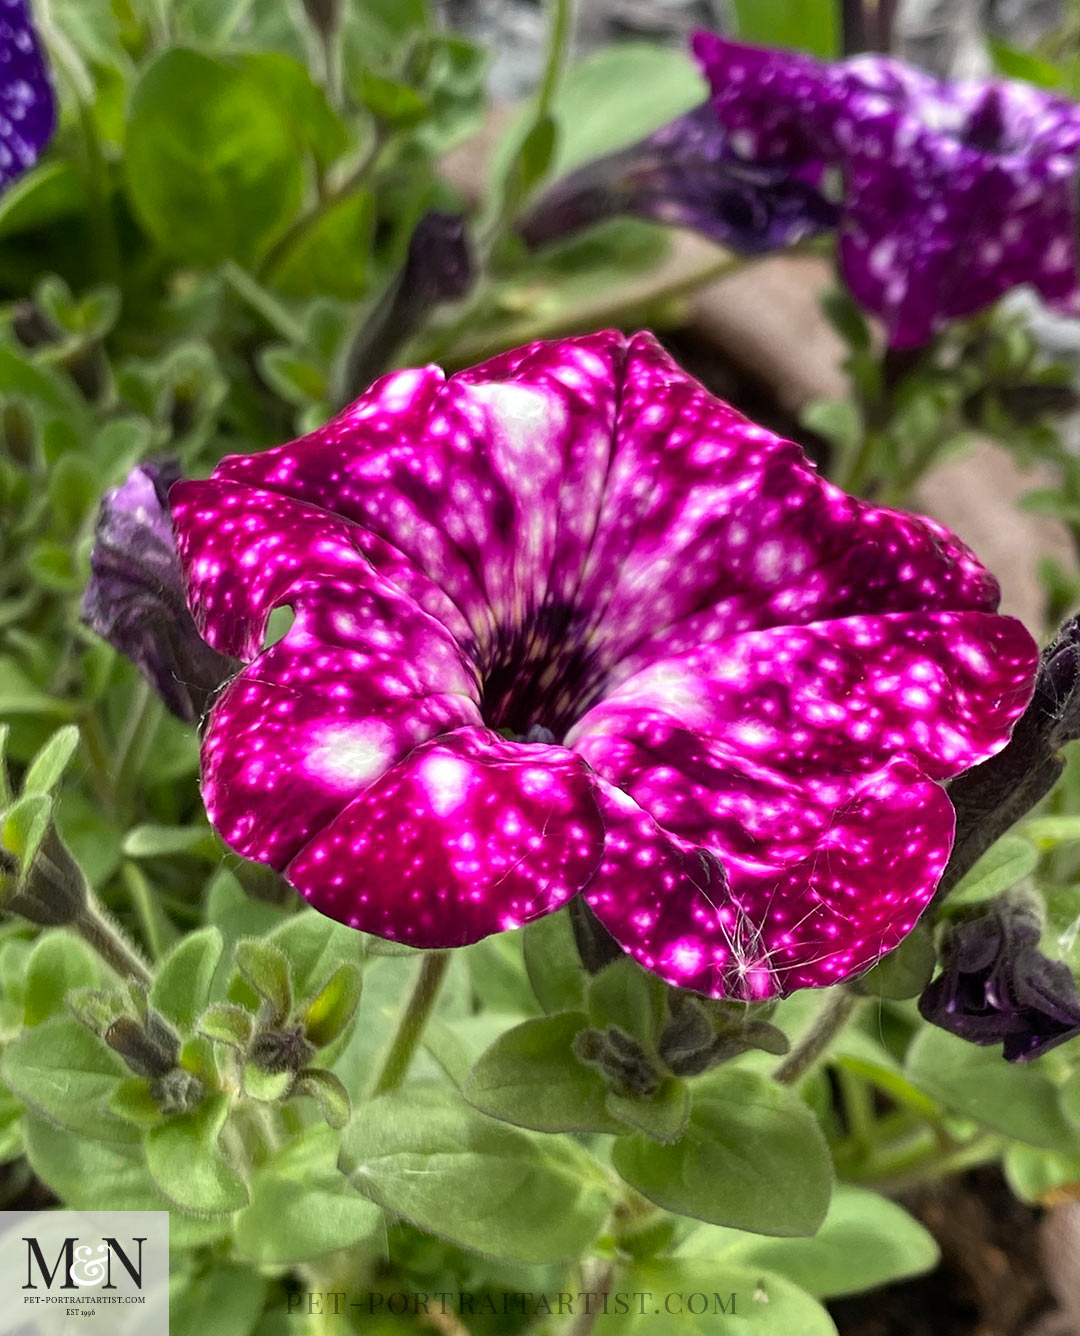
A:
<point x="997" y="987"/>
<point x="135" y="598"/>
<point x="27" y="108"/>
<point x="953" y="193"/>
<point x="686" y="174"/>
<point x="566" y="623"/>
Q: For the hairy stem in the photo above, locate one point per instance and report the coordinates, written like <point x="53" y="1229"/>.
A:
<point x="839" y="1008"/>
<point x="600" y="1287"/>
<point x="411" y="1023"/>
<point x="108" y="940"/>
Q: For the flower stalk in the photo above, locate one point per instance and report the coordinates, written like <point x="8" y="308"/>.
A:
<point x="838" y="1009"/>
<point x="414" y="1017"/>
<point x="107" y="939"/>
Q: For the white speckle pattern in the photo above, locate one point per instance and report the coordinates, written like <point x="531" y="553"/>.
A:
<point x="754" y="682"/>
<point x="953" y="193"/>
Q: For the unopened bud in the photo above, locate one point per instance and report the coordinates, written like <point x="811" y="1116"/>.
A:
<point x="281" y="1050"/>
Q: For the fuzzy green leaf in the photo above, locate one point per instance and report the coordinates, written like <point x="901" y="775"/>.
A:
<point x="752" y="1157"/>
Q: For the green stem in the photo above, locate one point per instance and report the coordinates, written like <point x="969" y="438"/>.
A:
<point x="904" y="1167"/>
<point x="601" y="312"/>
<point x="601" y="1283"/>
<point x="147" y="910"/>
<point x="307" y="222"/>
<point x="139" y="733"/>
<point x="855" y="473"/>
<point x="108" y="940"/>
<point x="858" y="1110"/>
<point x="838" y="1009"/>
<point x="96" y="747"/>
<point x="562" y="12"/>
<point x="106" y="245"/>
<point x="262" y="303"/>
<point x="411" y="1023"/>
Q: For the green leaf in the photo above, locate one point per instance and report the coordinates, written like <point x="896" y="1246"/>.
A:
<point x="753" y="1157"/>
<point x="846" y="317"/>
<point x="228" y="1024"/>
<point x="1070" y="1099"/>
<point x="187" y="1165"/>
<point x="303" y="102"/>
<point x="1020" y="1101"/>
<point x="49" y="191"/>
<point x="389" y="101"/>
<point x="552" y="963"/>
<point x="182" y="986"/>
<point x="302" y="1208"/>
<point x="663" y="1116"/>
<point x="232" y="910"/>
<point x="53" y="566"/>
<point x="531" y="1077"/>
<point x="293" y="378"/>
<point x="906" y="970"/>
<point x="67" y="1075"/>
<point x="1035" y="1174"/>
<point x="47" y="768"/>
<point x="1047" y="832"/>
<point x="328" y="1092"/>
<point x="612" y="99"/>
<point x="334" y="1006"/>
<point x="266" y="1087"/>
<point x="315" y="945"/>
<point x="864" y="1242"/>
<point x="132" y="1101"/>
<point x="222" y="1298"/>
<point x="24" y="825"/>
<point x="806" y="25"/>
<point x="333" y="257"/>
<point x="839" y="421"/>
<point x="674" y="1296"/>
<point x="480" y="1184"/>
<point x="1010" y="860"/>
<point x="1023" y="65"/>
<point x="212" y="167"/>
<point x="73" y="492"/>
<point x="625" y="995"/>
<point x="265" y="967"/>
<point x="532" y="160"/>
<point x="168" y="841"/>
<point x="89" y="1176"/>
<point x="58" y="963"/>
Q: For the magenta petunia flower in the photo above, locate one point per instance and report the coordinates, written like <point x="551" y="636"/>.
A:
<point x="953" y="193"/>
<point x="566" y="623"/>
<point x="27" y="107"/>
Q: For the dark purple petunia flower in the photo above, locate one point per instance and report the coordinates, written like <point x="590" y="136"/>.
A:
<point x="566" y="623"/>
<point x="27" y="108"/>
<point x="953" y="193"/>
<point x="135" y="598"/>
<point x="997" y="987"/>
<point x="686" y="174"/>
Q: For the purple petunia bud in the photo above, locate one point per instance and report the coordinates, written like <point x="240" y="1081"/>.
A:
<point x="135" y="598"/>
<point x="997" y="987"/>
<point x="685" y="174"/>
<point x="438" y="268"/>
<point x="27" y="106"/>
